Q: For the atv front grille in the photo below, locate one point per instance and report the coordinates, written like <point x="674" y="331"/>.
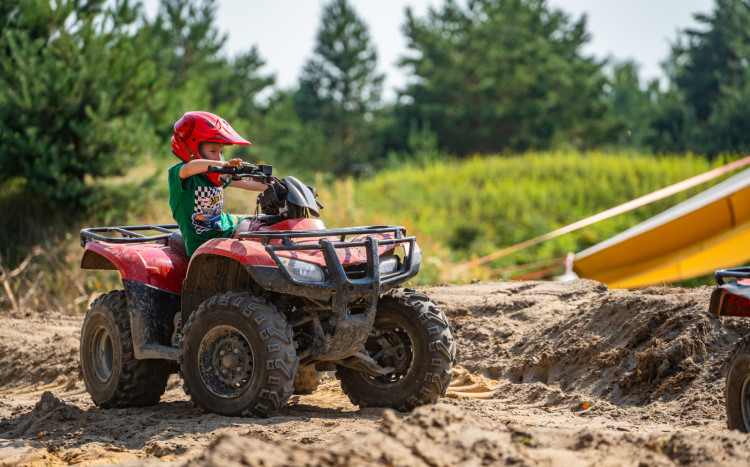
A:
<point x="355" y="271"/>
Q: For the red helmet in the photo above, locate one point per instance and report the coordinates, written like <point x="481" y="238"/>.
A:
<point x="202" y="127"/>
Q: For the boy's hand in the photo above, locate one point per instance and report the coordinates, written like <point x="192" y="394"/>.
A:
<point x="233" y="162"/>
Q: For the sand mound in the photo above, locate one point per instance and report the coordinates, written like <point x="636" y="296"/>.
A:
<point x="583" y="342"/>
<point x="39" y="353"/>
<point x="47" y="413"/>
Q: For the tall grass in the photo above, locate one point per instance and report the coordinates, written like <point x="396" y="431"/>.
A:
<point x="470" y="208"/>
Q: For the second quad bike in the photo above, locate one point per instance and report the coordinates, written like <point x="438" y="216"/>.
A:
<point x="249" y="321"/>
<point x="731" y="297"/>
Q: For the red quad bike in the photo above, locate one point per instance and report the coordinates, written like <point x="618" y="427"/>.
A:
<point x="264" y="314"/>
<point x="731" y="297"/>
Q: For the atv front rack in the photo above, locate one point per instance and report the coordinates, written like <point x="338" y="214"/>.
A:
<point x="337" y="274"/>
<point x="731" y="297"/>
<point x="287" y="236"/>
<point x="129" y="234"/>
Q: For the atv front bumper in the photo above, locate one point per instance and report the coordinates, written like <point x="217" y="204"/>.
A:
<point x="353" y="295"/>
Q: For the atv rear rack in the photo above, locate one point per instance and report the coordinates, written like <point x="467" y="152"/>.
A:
<point x="129" y="234"/>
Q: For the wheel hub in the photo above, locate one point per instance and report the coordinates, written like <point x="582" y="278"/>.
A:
<point x="230" y="361"/>
<point x="225" y="361"/>
<point x="102" y="354"/>
<point x="390" y="346"/>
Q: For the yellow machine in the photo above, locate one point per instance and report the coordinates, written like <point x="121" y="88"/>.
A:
<point x="707" y="232"/>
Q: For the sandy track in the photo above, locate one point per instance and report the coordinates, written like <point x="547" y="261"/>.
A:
<point x="549" y="374"/>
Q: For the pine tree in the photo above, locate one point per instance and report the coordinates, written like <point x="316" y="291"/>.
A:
<point x="710" y="78"/>
<point x="500" y="75"/>
<point x="340" y="87"/>
<point x="75" y="81"/>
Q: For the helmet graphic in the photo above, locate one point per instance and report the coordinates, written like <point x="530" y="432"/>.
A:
<point x="202" y="127"/>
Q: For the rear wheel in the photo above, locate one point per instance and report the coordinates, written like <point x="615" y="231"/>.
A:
<point x="738" y="387"/>
<point x="410" y="335"/>
<point x="112" y="374"/>
<point x="237" y="356"/>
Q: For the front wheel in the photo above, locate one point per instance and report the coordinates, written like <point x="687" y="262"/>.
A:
<point x="237" y="356"/>
<point x="410" y="335"/>
<point x="738" y="387"/>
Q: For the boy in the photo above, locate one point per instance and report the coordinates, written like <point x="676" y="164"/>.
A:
<point x="196" y="198"/>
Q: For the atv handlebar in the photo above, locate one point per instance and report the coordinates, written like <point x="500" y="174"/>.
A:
<point x="262" y="173"/>
<point x="273" y="200"/>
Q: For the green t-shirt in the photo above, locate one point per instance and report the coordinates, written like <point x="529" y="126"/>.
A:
<point x="196" y="207"/>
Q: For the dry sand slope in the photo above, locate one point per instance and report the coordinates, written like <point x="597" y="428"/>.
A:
<point x="549" y="374"/>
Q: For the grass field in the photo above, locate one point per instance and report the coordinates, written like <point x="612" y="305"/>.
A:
<point x="470" y="208"/>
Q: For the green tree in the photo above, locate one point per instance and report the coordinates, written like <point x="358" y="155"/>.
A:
<point x="710" y="79"/>
<point x="188" y="38"/>
<point x="631" y="108"/>
<point x="75" y="79"/>
<point x="200" y="76"/>
<point x="339" y="87"/>
<point x="501" y="75"/>
<point x="233" y="85"/>
<point x="187" y="53"/>
<point x="281" y="138"/>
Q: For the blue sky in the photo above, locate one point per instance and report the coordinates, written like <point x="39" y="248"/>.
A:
<point x="284" y="30"/>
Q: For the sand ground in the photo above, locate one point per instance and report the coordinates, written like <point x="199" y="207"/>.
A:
<point x="548" y="373"/>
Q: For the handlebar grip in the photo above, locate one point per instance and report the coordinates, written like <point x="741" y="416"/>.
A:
<point x="212" y="169"/>
<point x="244" y="168"/>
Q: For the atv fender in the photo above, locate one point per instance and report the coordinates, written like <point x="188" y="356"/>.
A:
<point x="219" y="265"/>
<point x="150" y="264"/>
<point x="152" y="277"/>
<point x="730" y="300"/>
<point x="246" y="252"/>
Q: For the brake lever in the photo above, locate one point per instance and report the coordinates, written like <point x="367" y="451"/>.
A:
<point x="261" y="177"/>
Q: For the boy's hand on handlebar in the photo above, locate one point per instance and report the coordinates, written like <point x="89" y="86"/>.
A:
<point x="236" y="162"/>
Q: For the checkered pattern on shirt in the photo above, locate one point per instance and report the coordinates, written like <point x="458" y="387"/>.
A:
<point x="208" y="201"/>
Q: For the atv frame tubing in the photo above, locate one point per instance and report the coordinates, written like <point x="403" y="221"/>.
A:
<point x="128" y="234"/>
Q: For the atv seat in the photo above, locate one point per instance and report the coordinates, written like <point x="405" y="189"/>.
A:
<point x="177" y="243"/>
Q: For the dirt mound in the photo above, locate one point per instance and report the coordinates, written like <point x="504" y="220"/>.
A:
<point x="38" y="352"/>
<point x="578" y="342"/>
<point x="47" y="412"/>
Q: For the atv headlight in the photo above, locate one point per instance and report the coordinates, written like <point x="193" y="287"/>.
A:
<point x="302" y="270"/>
<point x="388" y="265"/>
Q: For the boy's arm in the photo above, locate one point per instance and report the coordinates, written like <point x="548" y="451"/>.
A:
<point x="252" y="185"/>
<point x="200" y="166"/>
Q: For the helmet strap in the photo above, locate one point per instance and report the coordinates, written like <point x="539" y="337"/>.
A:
<point x="193" y="156"/>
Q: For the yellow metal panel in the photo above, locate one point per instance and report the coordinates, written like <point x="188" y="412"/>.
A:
<point x="724" y="251"/>
<point x="674" y="235"/>
<point x="714" y="236"/>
